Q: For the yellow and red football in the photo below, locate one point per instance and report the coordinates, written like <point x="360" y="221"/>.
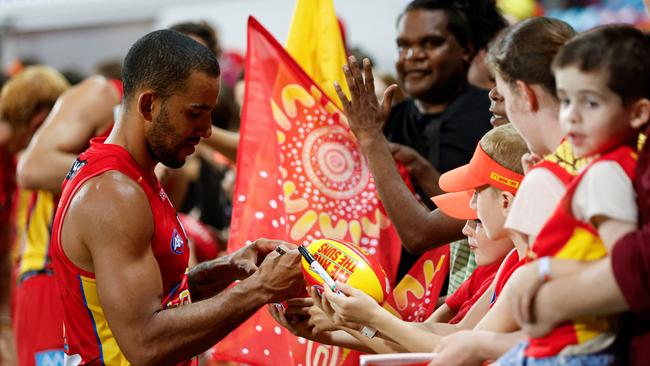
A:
<point x="347" y="263"/>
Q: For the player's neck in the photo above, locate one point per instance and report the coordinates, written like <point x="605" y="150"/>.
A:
<point x="129" y="135"/>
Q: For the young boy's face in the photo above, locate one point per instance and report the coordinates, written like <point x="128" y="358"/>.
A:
<point x="486" y="251"/>
<point x="488" y="205"/>
<point x="592" y="117"/>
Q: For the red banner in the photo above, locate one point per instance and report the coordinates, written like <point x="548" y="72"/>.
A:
<point x="300" y="177"/>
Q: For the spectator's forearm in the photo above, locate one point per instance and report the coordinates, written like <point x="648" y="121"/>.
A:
<point x="573" y="296"/>
<point x="418" y="227"/>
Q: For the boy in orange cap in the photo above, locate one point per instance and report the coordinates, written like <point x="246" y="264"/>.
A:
<point x="496" y="170"/>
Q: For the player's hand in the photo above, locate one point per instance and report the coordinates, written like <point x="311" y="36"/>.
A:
<point x="418" y="167"/>
<point x="458" y="349"/>
<point x="247" y="259"/>
<point x="280" y="276"/>
<point x="365" y="114"/>
<point x="354" y="308"/>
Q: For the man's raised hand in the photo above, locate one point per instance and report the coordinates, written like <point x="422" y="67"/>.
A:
<point x="364" y="112"/>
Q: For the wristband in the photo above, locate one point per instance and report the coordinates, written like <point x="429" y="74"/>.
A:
<point x="368" y="331"/>
<point x="544" y="268"/>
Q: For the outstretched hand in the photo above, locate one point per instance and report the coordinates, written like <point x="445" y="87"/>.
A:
<point x="365" y="114"/>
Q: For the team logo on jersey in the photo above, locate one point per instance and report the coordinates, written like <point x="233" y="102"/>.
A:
<point x="49" y="358"/>
<point x="177" y="243"/>
<point x="78" y="164"/>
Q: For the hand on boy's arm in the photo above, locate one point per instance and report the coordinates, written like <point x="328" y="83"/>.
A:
<point x="525" y="283"/>
<point x="573" y="296"/>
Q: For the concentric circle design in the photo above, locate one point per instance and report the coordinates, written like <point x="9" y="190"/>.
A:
<point x="333" y="163"/>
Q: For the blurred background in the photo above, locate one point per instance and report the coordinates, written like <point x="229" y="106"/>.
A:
<point x="78" y="36"/>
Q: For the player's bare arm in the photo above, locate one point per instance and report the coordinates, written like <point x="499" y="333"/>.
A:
<point x="107" y="230"/>
<point x="80" y="113"/>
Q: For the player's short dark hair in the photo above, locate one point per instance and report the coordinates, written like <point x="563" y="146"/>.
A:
<point x="163" y="61"/>
<point x="472" y="22"/>
<point x="620" y="51"/>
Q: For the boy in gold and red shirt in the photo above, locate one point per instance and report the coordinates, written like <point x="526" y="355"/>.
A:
<point x="602" y="86"/>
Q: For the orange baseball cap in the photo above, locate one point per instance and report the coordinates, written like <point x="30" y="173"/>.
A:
<point x="461" y="182"/>
<point x="456" y="205"/>
<point x="482" y="170"/>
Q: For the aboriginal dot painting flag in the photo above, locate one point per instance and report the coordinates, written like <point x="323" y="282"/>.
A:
<point x="301" y="177"/>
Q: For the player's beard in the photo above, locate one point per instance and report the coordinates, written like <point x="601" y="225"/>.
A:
<point x="160" y="141"/>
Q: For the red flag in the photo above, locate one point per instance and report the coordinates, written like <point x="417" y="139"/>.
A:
<point x="300" y="177"/>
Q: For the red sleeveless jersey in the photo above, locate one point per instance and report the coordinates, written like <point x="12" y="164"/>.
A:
<point x="565" y="237"/>
<point x="88" y="337"/>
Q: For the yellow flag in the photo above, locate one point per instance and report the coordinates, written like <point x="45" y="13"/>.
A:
<point x="315" y="42"/>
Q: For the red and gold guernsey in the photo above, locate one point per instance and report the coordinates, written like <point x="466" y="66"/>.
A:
<point x="565" y="237"/>
<point x="34" y="211"/>
<point x="563" y="163"/>
<point x="88" y="337"/>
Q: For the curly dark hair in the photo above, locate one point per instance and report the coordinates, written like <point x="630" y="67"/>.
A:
<point x="473" y="22"/>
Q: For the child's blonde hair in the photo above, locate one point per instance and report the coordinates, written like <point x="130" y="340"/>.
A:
<point x="30" y="92"/>
<point x="505" y="146"/>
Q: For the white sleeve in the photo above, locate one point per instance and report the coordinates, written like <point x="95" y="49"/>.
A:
<point x="535" y="202"/>
<point x="605" y="190"/>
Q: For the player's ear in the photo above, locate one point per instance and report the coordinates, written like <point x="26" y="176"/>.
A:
<point x="145" y="105"/>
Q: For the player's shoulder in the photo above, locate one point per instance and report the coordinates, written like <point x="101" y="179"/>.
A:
<point x="112" y="193"/>
<point x="110" y="210"/>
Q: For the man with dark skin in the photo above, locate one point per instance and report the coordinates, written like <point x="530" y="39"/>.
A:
<point x="441" y="124"/>
<point x="106" y="222"/>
